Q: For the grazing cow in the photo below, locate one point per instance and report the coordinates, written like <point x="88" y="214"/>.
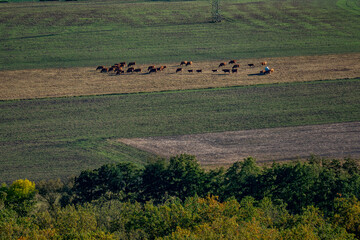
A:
<point x="104" y="70"/>
<point x="130" y="70"/>
<point x="190" y="70"/>
<point x="151" y="67"/>
<point x="199" y="70"/>
<point x="122" y="63"/>
<point x="111" y="69"/>
<point x="137" y="70"/>
<point x="189" y="63"/>
<point x="131" y="64"/>
<point x="153" y="70"/>
<point x="226" y="70"/>
<point x="178" y="70"/>
<point x="236" y="66"/>
<point x="118" y="72"/>
<point x="263" y="63"/>
<point x="183" y="63"/>
<point x="161" y="68"/>
<point x="214" y="70"/>
<point x="251" y="65"/>
<point x="222" y="64"/>
<point x="232" y="61"/>
<point x="234" y="70"/>
<point x="99" y="67"/>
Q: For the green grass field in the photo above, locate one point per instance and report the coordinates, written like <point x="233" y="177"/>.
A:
<point x="58" y="137"/>
<point x="89" y="33"/>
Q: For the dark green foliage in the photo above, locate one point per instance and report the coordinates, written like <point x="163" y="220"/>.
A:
<point x="109" y="181"/>
<point x="185" y="177"/>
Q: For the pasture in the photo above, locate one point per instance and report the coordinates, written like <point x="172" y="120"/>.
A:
<point x="86" y="33"/>
<point x="58" y="137"/>
<point x="61" y="82"/>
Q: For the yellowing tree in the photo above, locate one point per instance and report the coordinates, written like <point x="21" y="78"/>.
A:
<point x="20" y="196"/>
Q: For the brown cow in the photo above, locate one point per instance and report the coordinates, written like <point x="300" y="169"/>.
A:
<point x="130" y="70"/>
<point x="161" y="68"/>
<point x="178" y="70"/>
<point x="131" y="64"/>
<point x="118" y="72"/>
<point x="222" y="64"/>
<point x="151" y="67"/>
<point x="232" y="61"/>
<point x="189" y="63"/>
<point x="183" y="63"/>
<point x="236" y="66"/>
<point x="226" y="70"/>
<point x="263" y="63"/>
<point x="199" y="70"/>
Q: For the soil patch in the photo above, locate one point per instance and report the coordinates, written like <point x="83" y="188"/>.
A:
<point x="60" y="82"/>
<point x="337" y="140"/>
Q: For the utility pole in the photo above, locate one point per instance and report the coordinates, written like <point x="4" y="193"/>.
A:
<point x="215" y="11"/>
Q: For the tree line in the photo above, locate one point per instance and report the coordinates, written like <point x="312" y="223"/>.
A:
<point x="177" y="199"/>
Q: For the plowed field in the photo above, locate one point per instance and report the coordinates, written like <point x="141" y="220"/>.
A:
<point x="276" y="144"/>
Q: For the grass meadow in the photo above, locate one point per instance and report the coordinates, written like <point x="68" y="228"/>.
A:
<point x="88" y="33"/>
<point x="59" y="137"/>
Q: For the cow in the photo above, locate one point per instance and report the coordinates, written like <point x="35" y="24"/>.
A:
<point x="131" y="64"/>
<point x="183" y="63"/>
<point x="130" y="70"/>
<point x="234" y="70"/>
<point x="214" y="70"/>
<point x="263" y="63"/>
<point x="153" y="70"/>
<point x="199" y="70"/>
<point x="190" y="70"/>
<point x="236" y="66"/>
<point x="232" y="61"/>
<point x="251" y="65"/>
<point x="104" y="70"/>
<point x="99" y="67"/>
<point x="151" y="67"/>
<point x="122" y="63"/>
<point x="118" y="72"/>
<point x="137" y="70"/>
<point x="226" y="70"/>
<point x="222" y="64"/>
<point x="178" y="70"/>
<point x="161" y="68"/>
<point x="189" y="63"/>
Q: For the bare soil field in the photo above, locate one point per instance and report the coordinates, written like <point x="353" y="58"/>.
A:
<point x="60" y="82"/>
<point x="338" y="140"/>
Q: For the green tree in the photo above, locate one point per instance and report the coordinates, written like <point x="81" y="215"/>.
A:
<point x="184" y="176"/>
<point x="241" y="179"/>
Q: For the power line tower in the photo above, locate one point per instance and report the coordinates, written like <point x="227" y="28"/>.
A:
<point x="215" y="11"/>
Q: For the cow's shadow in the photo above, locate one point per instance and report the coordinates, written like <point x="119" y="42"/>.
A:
<point x="256" y="74"/>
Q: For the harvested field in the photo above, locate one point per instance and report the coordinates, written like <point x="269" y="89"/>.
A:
<point x="59" y="82"/>
<point x="338" y="140"/>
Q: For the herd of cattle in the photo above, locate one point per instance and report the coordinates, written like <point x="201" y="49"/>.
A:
<point x="227" y="67"/>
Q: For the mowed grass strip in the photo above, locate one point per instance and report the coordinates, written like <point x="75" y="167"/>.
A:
<point x="88" y="33"/>
<point x="58" y="137"/>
